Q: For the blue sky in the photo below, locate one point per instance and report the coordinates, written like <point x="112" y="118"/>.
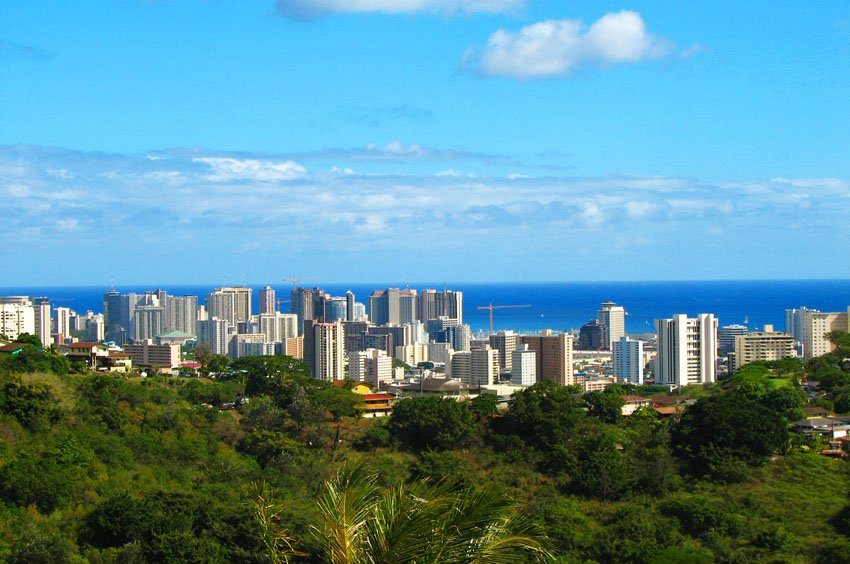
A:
<point x="390" y="140"/>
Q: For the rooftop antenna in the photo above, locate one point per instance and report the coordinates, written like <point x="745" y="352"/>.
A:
<point x="445" y="286"/>
<point x="111" y="282"/>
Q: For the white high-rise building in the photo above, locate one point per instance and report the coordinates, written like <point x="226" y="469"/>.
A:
<point x="277" y="327"/>
<point x="477" y="367"/>
<point x="62" y="321"/>
<point x="412" y="354"/>
<point x="372" y="366"/>
<point x="329" y="351"/>
<point x="612" y="318"/>
<point x="523" y="366"/>
<point x="218" y="334"/>
<point x="687" y="350"/>
<point x="182" y="314"/>
<point x="43" y="325"/>
<point x="627" y="355"/>
<point x="17" y="315"/>
<point x="267" y="300"/>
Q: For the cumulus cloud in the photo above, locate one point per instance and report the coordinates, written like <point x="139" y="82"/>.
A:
<point x="555" y="48"/>
<point x="302" y="9"/>
<point x="224" y="169"/>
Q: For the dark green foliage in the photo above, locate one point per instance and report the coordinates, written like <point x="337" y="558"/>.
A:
<point x="484" y="405"/>
<point x="432" y="423"/>
<point x="441" y="466"/>
<point x="33" y="359"/>
<point x="376" y="436"/>
<point x="542" y="416"/>
<point x="32" y="404"/>
<point x="723" y="434"/>
<point x="606" y="405"/>
<point x="29" y="339"/>
<point x="598" y="467"/>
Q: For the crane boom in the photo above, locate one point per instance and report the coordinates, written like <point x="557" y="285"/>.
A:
<point x="491" y="307"/>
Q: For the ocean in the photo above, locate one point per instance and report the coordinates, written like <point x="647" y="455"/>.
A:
<point x="559" y="306"/>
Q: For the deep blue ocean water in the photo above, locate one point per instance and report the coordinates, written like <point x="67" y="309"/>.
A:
<point x="559" y="305"/>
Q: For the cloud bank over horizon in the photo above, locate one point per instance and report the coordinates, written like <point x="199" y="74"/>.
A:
<point x="283" y="209"/>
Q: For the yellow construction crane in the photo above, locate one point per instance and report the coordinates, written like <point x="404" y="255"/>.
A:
<point x="491" y="307"/>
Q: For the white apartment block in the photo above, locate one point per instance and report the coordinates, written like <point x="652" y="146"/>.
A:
<point x="17" y="315"/>
<point x="372" y="366"/>
<point x="687" y="350"/>
<point x="523" y="366"/>
<point x="763" y="346"/>
<point x="627" y="360"/>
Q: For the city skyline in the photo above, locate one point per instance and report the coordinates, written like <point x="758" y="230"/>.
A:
<point x="472" y="140"/>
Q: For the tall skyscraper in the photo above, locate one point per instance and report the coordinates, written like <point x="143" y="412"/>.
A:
<point x="687" y="350"/>
<point x="267" y="300"/>
<point x="435" y="303"/>
<point x="612" y="318"/>
<point x="384" y="307"/>
<point x="232" y="304"/>
<point x="627" y="356"/>
<point x="116" y="328"/>
<point x="218" y="334"/>
<point x="328" y="351"/>
<point x="505" y="342"/>
<point x="43" y="320"/>
<point x="349" y="306"/>
<point x="182" y="313"/>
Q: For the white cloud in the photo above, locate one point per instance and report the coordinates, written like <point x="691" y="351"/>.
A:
<point x="559" y="47"/>
<point x="17" y="190"/>
<point x="316" y="8"/>
<point x="225" y="169"/>
<point x="68" y="224"/>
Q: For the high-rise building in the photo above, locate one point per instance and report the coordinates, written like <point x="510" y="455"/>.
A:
<point x="372" y="366"/>
<point x="408" y="306"/>
<point x="590" y="336"/>
<point x="385" y="307"/>
<point x="336" y="309"/>
<point x="627" y="360"/>
<point x="267" y="301"/>
<point x="412" y="354"/>
<point x="523" y="366"/>
<point x="687" y="350"/>
<point x="349" y="306"/>
<point x="218" y="334"/>
<point x="232" y="304"/>
<point x="763" y="346"/>
<point x="328" y="351"/>
<point x="308" y="305"/>
<point x="554" y="356"/>
<point x="17" y="315"/>
<point x="794" y="322"/>
<point x="505" y="342"/>
<point x="612" y="318"/>
<point x="816" y="326"/>
<point x="116" y="327"/>
<point x="182" y="314"/>
<point x="43" y="325"/>
<point x="477" y="367"/>
<point x="148" y="322"/>
<point x="277" y="327"/>
<point x="726" y="337"/>
<point x="62" y="322"/>
<point x="434" y="304"/>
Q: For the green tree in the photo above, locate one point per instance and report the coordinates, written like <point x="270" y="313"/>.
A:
<point x="203" y="353"/>
<point x="606" y="406"/>
<point x="432" y="423"/>
<point x="29" y="339"/>
<point x="542" y="415"/>
<point x="719" y="431"/>
<point x="484" y="405"/>
<point x="339" y="402"/>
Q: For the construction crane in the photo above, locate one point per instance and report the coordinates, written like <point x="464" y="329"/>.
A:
<point x="491" y="307"/>
<point x="295" y="280"/>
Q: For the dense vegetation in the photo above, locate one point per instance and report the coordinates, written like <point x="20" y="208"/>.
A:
<point x="101" y="469"/>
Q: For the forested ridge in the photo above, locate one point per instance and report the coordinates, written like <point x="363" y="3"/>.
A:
<point x="96" y="468"/>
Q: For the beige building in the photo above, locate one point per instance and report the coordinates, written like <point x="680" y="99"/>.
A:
<point x="612" y="318"/>
<point x="156" y="356"/>
<point x="505" y="342"/>
<point x="328" y="349"/>
<point x="554" y="356"/>
<point x="762" y="346"/>
<point x="412" y="354"/>
<point x="815" y="327"/>
<point x="372" y="366"/>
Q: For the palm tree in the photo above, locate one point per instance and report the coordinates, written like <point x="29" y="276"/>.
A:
<point x="363" y="524"/>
